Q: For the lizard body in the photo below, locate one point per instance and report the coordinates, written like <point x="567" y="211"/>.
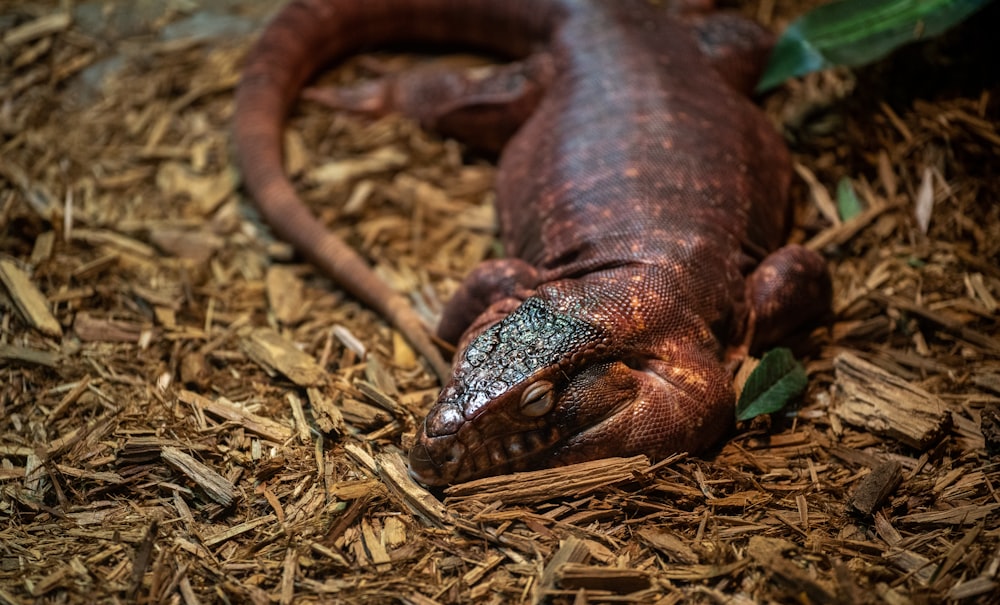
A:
<point x="642" y="201"/>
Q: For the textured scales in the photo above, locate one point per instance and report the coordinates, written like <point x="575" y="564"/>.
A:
<point x="642" y="202"/>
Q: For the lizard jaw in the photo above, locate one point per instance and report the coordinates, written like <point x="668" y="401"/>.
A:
<point x="446" y="459"/>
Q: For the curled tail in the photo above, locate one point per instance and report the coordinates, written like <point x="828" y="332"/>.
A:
<point x="304" y="36"/>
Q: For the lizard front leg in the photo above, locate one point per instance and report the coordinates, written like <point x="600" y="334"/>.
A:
<point x="490" y="284"/>
<point x="788" y="289"/>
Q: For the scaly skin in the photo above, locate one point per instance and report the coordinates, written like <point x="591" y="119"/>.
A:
<point x="642" y="201"/>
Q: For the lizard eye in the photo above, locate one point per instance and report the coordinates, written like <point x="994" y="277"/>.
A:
<point x="537" y="399"/>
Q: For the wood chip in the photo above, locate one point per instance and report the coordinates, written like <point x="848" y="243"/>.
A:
<point x="196" y="246"/>
<point x="268" y="348"/>
<point x="950" y="324"/>
<point x="97" y="329"/>
<point x="222" y="408"/>
<point x="28" y="298"/>
<point x="37" y="28"/>
<point x="287" y="587"/>
<point x="913" y="563"/>
<point x="207" y="191"/>
<point x="572" y="550"/>
<point x="770" y="554"/>
<point x="821" y="198"/>
<point x="374" y="547"/>
<point x="235" y="530"/>
<point x="215" y="485"/>
<point x="28" y="355"/>
<point x="393" y="471"/>
<point x="284" y="294"/>
<point x="692" y="573"/>
<point x="960" y="515"/>
<point x="837" y="235"/>
<point x="43" y="248"/>
<point x="143" y="557"/>
<point x="128" y="245"/>
<point x="342" y="171"/>
<point x="327" y="415"/>
<point x="886" y="404"/>
<point x="671" y="545"/>
<point x="576" y="576"/>
<point x="574" y="480"/>
<point x="298" y="413"/>
<point x="877" y="486"/>
<point x="983" y="585"/>
<point x="924" y="205"/>
<point x="740" y="500"/>
<point x="380" y="398"/>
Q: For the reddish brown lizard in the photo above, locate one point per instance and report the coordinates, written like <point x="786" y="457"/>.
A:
<point x="642" y="201"/>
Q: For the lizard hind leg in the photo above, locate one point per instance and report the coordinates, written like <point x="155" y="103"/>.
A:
<point x="736" y="47"/>
<point x="481" y="106"/>
<point x="790" y="288"/>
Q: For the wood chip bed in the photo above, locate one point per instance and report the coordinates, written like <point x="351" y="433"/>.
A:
<point x="188" y="414"/>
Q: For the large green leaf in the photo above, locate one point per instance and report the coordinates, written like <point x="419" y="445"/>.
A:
<point x="773" y="383"/>
<point x="856" y="32"/>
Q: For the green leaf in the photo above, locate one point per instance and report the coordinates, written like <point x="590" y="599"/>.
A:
<point x="848" y="204"/>
<point x="776" y="380"/>
<point x="856" y="32"/>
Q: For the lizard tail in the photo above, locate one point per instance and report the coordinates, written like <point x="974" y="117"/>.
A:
<point x="308" y="34"/>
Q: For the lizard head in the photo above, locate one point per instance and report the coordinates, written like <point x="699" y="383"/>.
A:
<point x="552" y="384"/>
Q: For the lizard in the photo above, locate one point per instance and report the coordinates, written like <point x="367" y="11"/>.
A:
<point x="643" y="205"/>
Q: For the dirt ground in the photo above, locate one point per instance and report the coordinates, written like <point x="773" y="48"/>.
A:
<point x="191" y="414"/>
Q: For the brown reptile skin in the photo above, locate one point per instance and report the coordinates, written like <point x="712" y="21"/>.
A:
<point x="642" y="204"/>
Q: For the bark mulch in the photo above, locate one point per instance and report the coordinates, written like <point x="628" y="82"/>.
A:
<point x="190" y="414"/>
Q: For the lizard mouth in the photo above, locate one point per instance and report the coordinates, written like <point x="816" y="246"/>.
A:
<point x="437" y="461"/>
<point x="423" y="468"/>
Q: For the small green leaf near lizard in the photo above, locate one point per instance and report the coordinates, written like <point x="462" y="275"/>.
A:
<point x="776" y="380"/>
